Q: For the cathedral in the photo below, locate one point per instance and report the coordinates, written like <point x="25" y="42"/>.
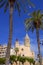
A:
<point x="24" y="50"/>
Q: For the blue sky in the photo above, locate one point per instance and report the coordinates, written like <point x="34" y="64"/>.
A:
<point x="18" y="26"/>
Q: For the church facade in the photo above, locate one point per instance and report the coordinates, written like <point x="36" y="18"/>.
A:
<point x="24" y="50"/>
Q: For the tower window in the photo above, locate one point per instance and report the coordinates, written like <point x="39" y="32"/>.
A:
<point x="0" y="52"/>
<point x="32" y="53"/>
<point x="23" y="54"/>
<point x="22" y="49"/>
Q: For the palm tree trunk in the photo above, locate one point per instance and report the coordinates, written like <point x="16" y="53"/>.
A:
<point x="10" y="37"/>
<point x="30" y="63"/>
<point x="16" y="59"/>
<point x="19" y="62"/>
<point x="38" y="41"/>
<point x="22" y="63"/>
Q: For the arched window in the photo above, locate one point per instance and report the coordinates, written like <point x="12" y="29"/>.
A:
<point x="32" y="53"/>
<point x="23" y="54"/>
<point x="22" y="49"/>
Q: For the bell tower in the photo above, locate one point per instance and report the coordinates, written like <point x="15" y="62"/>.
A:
<point x="16" y="43"/>
<point x="27" y="41"/>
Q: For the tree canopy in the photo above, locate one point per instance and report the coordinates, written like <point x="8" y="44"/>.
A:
<point x="17" y="4"/>
<point x="34" y="21"/>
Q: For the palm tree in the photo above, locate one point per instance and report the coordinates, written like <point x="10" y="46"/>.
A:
<point x="18" y="58"/>
<point x="13" y="58"/>
<point x="30" y="60"/>
<point x="21" y="59"/>
<point x="12" y="4"/>
<point x="2" y="61"/>
<point x="35" y="22"/>
<point x="16" y="50"/>
<point x="34" y="63"/>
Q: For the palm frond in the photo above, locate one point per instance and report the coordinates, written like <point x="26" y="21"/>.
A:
<point x="29" y="26"/>
<point x="38" y="14"/>
<point x="28" y="20"/>
<point x="27" y="4"/>
<point x="34" y="15"/>
<point x="18" y="7"/>
<point x="1" y="1"/>
<point x="1" y="5"/>
<point x="41" y="16"/>
<point x="41" y="26"/>
<point x="23" y="5"/>
<point x="35" y="21"/>
<point x="6" y="7"/>
<point x="31" y="4"/>
<point x="38" y="11"/>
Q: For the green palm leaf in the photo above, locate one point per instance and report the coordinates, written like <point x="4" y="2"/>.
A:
<point x="1" y="1"/>
<point x="18" y="7"/>
<point x="38" y="14"/>
<point x="31" y="4"/>
<point x="36" y="17"/>
<point x="41" y="17"/>
<point x="41" y="26"/>
<point x="6" y="7"/>
<point x="1" y="5"/>
<point x="28" y="20"/>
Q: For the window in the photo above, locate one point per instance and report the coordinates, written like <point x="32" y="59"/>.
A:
<point x="3" y="52"/>
<point x="23" y="54"/>
<point x="32" y="53"/>
<point x="0" y="52"/>
<point x="22" y="49"/>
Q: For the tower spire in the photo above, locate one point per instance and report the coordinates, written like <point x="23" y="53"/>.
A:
<point x="27" y="40"/>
